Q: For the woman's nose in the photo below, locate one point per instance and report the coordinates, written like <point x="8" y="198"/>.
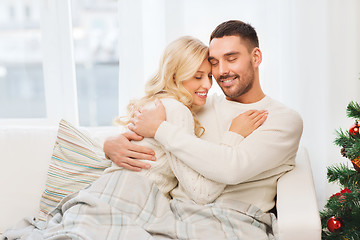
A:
<point x="207" y="82"/>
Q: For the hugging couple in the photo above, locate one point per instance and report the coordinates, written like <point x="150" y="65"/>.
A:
<point x="191" y="166"/>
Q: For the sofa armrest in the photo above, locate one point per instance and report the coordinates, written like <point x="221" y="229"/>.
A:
<point x="297" y="210"/>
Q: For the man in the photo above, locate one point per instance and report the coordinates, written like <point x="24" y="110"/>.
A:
<point x="249" y="166"/>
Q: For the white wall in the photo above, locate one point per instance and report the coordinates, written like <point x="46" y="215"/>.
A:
<point x="311" y="58"/>
<point x="343" y="70"/>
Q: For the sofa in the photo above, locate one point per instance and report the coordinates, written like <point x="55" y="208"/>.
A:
<point x="26" y="153"/>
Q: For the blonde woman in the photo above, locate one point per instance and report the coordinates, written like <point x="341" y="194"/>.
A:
<point x="181" y="83"/>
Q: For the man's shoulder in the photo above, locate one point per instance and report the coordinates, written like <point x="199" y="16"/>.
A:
<point x="282" y="108"/>
<point x="284" y="113"/>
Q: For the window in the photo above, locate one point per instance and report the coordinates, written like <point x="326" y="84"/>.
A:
<point x="95" y="34"/>
<point x="67" y="67"/>
<point x="21" y="74"/>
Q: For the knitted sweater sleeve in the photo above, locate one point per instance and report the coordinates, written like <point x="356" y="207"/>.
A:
<point x="237" y="160"/>
<point x="196" y="186"/>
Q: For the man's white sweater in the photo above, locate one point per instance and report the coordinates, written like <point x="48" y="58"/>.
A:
<point x="251" y="166"/>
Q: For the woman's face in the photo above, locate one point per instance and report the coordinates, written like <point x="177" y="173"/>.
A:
<point x="199" y="85"/>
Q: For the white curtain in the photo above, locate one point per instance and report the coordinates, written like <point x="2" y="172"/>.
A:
<point x="311" y="57"/>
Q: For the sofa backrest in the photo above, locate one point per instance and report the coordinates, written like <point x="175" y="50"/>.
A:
<point x="24" y="155"/>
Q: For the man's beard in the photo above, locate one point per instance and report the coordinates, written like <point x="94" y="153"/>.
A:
<point x="241" y="87"/>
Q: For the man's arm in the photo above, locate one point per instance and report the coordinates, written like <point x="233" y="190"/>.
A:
<point x="124" y="153"/>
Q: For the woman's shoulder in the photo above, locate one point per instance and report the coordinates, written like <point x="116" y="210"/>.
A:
<point x="172" y="103"/>
<point x="175" y="110"/>
<point x="178" y="114"/>
<point x="171" y="106"/>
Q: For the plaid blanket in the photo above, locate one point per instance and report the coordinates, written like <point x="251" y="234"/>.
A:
<point x="126" y="205"/>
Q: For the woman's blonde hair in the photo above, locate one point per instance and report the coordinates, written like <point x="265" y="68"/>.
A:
<point x="180" y="61"/>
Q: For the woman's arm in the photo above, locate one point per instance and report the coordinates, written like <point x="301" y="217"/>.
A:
<point x="245" y="123"/>
<point x="237" y="159"/>
<point x="197" y="187"/>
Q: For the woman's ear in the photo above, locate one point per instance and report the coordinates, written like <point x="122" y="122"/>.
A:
<point x="256" y="57"/>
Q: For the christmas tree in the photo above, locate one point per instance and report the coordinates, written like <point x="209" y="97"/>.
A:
<point x="341" y="215"/>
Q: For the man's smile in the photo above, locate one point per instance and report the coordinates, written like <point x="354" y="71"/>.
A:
<point x="227" y="81"/>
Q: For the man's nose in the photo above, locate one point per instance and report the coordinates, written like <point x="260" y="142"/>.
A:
<point x="223" y="68"/>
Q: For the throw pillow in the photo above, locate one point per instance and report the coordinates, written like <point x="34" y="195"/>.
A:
<point x="76" y="162"/>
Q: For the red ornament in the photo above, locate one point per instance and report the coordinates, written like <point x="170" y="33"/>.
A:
<point x="335" y="224"/>
<point x="341" y="194"/>
<point x="354" y="130"/>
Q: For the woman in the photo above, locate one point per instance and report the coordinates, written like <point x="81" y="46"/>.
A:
<point x="181" y="83"/>
<point x="110" y="208"/>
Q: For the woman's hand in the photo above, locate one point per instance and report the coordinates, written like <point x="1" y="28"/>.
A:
<point x="245" y="123"/>
<point x="146" y="121"/>
<point x="126" y="154"/>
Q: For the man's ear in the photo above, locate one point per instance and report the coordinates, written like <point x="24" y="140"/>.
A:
<point x="256" y="57"/>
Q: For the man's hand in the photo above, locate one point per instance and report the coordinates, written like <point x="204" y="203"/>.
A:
<point x="126" y="154"/>
<point x="146" y="121"/>
<point x="245" y="123"/>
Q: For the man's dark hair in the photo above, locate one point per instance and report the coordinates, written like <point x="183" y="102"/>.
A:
<point x="237" y="28"/>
